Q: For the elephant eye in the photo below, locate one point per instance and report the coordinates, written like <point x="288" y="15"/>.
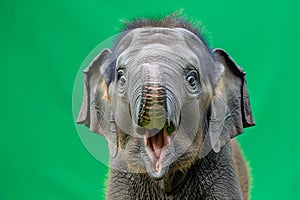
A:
<point x="192" y="79"/>
<point x="120" y="73"/>
<point x="121" y="77"/>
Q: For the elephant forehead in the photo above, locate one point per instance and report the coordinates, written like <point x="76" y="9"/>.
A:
<point x="167" y="36"/>
<point x="157" y="42"/>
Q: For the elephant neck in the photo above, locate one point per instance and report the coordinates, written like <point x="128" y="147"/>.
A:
<point x="203" y="170"/>
<point x="173" y="181"/>
<point x="215" y="172"/>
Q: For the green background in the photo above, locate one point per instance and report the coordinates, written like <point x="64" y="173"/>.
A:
<point x="42" y="46"/>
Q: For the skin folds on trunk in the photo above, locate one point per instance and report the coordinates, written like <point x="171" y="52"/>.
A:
<point x="153" y="109"/>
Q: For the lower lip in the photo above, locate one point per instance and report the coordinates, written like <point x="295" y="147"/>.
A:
<point x="156" y="164"/>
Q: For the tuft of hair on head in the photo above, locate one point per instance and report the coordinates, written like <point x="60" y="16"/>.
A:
<point x="173" y="20"/>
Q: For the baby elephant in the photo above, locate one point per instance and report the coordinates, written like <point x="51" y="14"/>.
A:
<point x="168" y="106"/>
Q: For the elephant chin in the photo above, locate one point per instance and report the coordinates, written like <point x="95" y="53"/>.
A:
<point x="159" y="149"/>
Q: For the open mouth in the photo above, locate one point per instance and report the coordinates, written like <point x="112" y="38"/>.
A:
<point x="155" y="144"/>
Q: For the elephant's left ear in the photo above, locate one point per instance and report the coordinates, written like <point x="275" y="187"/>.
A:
<point x="93" y="84"/>
<point x="230" y="107"/>
<point x="96" y="112"/>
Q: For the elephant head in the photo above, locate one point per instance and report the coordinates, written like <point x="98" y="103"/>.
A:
<point x="163" y="99"/>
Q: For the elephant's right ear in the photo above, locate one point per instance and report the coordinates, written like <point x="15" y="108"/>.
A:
<point x="230" y="105"/>
<point x="95" y="109"/>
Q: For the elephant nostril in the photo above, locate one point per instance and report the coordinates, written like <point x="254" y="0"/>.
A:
<point x="147" y="132"/>
<point x="170" y="128"/>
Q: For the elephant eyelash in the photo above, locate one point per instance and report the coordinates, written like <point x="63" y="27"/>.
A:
<point x="121" y="79"/>
<point x="120" y="73"/>
<point x="192" y="80"/>
<point x="192" y="73"/>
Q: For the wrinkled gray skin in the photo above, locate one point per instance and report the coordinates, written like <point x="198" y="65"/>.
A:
<point x="168" y="107"/>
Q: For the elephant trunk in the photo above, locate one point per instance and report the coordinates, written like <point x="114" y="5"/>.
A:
<point x="155" y="118"/>
<point x="152" y="112"/>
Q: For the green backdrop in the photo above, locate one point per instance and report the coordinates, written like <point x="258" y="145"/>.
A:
<point x="42" y="46"/>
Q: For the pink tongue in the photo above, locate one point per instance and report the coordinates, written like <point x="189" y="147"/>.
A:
<point x="157" y="143"/>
